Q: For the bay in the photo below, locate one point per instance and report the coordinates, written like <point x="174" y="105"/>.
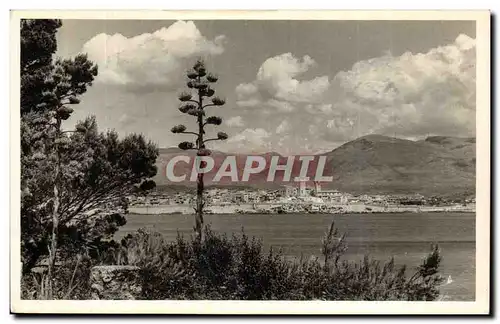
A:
<point x="407" y="237"/>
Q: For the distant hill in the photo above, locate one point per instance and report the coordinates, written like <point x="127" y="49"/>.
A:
<point x="381" y="164"/>
<point x="371" y="164"/>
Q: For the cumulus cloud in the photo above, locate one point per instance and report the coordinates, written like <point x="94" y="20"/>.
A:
<point x="283" y="127"/>
<point x="276" y="85"/>
<point x="236" y="121"/>
<point x="249" y="103"/>
<point x="410" y="95"/>
<point x="282" y="106"/>
<point x="152" y="59"/>
<point x="250" y="140"/>
<point x="246" y="89"/>
<point x="319" y="108"/>
<point x="277" y="77"/>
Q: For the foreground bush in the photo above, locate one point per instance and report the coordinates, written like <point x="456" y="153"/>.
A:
<point x="71" y="281"/>
<point x="237" y="267"/>
<point x="72" y="274"/>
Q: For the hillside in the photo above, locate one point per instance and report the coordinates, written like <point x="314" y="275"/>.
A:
<point x="371" y="164"/>
<point x="437" y="165"/>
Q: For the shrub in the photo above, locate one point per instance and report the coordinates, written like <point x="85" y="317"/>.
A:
<point x="237" y="267"/>
<point x="72" y="273"/>
<point x="71" y="281"/>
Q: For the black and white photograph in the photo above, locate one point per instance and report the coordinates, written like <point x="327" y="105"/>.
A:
<point x="307" y="158"/>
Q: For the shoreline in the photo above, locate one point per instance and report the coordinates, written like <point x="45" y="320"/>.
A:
<point x="252" y="209"/>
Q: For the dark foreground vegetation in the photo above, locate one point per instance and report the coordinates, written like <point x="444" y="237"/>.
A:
<point x="238" y="268"/>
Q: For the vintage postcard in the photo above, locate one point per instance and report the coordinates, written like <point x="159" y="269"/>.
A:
<point x="244" y="162"/>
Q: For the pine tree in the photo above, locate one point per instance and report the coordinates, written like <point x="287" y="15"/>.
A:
<point x="38" y="45"/>
<point x="200" y="82"/>
<point x="65" y="175"/>
<point x="48" y="88"/>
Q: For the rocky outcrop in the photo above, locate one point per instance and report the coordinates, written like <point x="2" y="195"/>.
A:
<point x="115" y="282"/>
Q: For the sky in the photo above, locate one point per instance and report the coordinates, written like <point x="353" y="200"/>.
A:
<point x="292" y="87"/>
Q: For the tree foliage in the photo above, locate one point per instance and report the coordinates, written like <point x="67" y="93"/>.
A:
<point x="38" y="44"/>
<point x="92" y="171"/>
<point x="98" y="171"/>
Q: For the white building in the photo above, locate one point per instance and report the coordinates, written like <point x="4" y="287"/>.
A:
<point x="302" y="189"/>
<point x="317" y="187"/>
<point x="331" y="195"/>
<point x="291" y="191"/>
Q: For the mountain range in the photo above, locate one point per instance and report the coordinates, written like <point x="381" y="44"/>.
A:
<point x="438" y="165"/>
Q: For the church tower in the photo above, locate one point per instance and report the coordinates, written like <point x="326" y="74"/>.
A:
<point x="317" y="187"/>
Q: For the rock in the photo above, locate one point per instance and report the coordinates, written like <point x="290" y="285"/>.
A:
<point x="115" y="282"/>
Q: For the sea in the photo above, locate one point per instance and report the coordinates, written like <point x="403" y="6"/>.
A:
<point x="407" y="237"/>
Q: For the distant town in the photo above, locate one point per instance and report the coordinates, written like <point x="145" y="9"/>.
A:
<point x="302" y="198"/>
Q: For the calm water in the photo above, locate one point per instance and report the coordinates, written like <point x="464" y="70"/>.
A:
<point x="407" y="237"/>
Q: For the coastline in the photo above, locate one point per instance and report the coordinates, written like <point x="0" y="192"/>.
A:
<point x="293" y="209"/>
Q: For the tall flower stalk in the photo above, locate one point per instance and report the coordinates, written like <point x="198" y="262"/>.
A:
<point x="200" y="96"/>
